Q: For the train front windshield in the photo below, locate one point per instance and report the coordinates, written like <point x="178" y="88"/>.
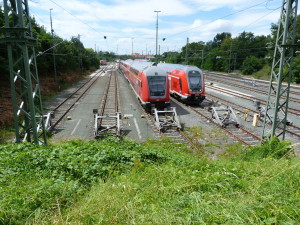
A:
<point x="157" y="86"/>
<point x="195" y="81"/>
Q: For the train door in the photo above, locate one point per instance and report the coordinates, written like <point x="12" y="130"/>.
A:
<point x="140" y="87"/>
<point x="169" y="81"/>
<point x="180" y="85"/>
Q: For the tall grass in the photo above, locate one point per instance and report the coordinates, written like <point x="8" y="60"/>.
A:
<point x="35" y="180"/>
<point x="247" y="188"/>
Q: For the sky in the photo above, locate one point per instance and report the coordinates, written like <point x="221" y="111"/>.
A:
<point x="130" y="25"/>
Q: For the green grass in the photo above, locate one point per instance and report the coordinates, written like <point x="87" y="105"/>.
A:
<point x="6" y="134"/>
<point x="35" y="180"/>
<point x="193" y="191"/>
<point x="111" y="182"/>
<point x="264" y="73"/>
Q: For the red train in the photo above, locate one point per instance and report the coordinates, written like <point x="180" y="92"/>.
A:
<point x="186" y="82"/>
<point x="149" y="83"/>
<point x="102" y="62"/>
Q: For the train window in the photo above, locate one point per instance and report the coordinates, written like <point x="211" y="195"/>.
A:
<point x="157" y="85"/>
<point x="195" y="80"/>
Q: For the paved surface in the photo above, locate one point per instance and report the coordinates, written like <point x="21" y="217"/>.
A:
<point x="81" y="115"/>
<point x="81" y="123"/>
<point x="134" y="127"/>
<point x="248" y="104"/>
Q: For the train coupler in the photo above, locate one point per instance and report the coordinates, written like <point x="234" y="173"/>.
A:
<point x="166" y="119"/>
<point x="224" y="116"/>
<point x="100" y="127"/>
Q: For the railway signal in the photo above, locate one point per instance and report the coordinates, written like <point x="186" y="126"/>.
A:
<point x="277" y="108"/>
<point x="26" y="98"/>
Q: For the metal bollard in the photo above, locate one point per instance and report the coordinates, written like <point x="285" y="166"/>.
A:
<point x="255" y="119"/>
<point x="246" y="114"/>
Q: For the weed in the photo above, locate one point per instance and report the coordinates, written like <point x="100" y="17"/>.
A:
<point x="113" y="182"/>
<point x="34" y="179"/>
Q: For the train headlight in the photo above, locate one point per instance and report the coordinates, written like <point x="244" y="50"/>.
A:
<point x="200" y="90"/>
<point x="191" y="90"/>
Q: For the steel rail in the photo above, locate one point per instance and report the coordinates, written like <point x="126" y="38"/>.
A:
<point x="109" y="115"/>
<point x="70" y="96"/>
<point x="228" y="76"/>
<point x="252" y="89"/>
<point x="72" y="105"/>
<point x="237" y="108"/>
<point x="211" y="120"/>
<point x="244" y="96"/>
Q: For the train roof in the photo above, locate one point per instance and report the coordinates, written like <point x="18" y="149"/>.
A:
<point x="170" y="66"/>
<point x="145" y="66"/>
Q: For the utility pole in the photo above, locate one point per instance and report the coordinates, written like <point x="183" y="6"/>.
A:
<point x="277" y="108"/>
<point x="158" y="51"/>
<point x="186" y="51"/>
<point x="234" y="55"/>
<point x="132" y="46"/>
<point x="53" y="51"/>
<point x="229" y="61"/>
<point x="80" y="55"/>
<point x="156" y="34"/>
<point x="146" y="51"/>
<point x="25" y="88"/>
<point x="202" y="58"/>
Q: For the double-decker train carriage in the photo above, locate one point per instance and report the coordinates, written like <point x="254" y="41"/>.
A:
<point x="185" y="82"/>
<point x="149" y="83"/>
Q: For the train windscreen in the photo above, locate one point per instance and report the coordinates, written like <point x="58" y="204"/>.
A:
<point x="157" y="86"/>
<point x="195" y="83"/>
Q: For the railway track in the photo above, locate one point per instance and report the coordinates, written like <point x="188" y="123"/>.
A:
<point x="248" y="81"/>
<point x="292" y="110"/>
<point x="63" y="108"/>
<point x="291" y="129"/>
<point x="163" y="124"/>
<point x="251" y="89"/>
<point x="236" y="132"/>
<point x="107" y="118"/>
<point x="172" y="131"/>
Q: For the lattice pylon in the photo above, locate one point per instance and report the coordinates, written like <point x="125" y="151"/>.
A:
<point x="278" y="98"/>
<point x="26" y="98"/>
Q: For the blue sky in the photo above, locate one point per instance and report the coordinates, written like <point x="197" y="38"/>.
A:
<point x="127" y="22"/>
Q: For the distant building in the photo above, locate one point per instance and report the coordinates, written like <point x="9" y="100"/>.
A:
<point x="139" y="56"/>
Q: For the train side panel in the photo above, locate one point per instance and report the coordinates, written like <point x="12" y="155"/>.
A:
<point x="182" y="86"/>
<point x="143" y="88"/>
<point x="150" y="85"/>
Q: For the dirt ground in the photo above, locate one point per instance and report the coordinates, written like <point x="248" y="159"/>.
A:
<point x="48" y="88"/>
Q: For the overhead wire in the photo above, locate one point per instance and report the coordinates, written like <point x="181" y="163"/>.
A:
<point x="176" y="34"/>
<point x="273" y="10"/>
<point x="228" y="15"/>
<point x="262" y="17"/>
<point x="91" y="26"/>
<point x="268" y="3"/>
<point x="76" y="17"/>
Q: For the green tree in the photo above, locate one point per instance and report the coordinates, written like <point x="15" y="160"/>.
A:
<point x="194" y="53"/>
<point x="219" y="39"/>
<point x="251" y="65"/>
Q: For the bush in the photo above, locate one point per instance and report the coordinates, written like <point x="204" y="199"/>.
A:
<point x="251" y="65"/>
<point x="273" y="148"/>
<point x="36" y="179"/>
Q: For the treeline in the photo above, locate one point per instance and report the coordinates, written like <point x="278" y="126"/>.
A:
<point x="70" y="55"/>
<point x="245" y="53"/>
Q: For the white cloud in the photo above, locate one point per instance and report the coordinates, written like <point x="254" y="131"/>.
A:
<point x="120" y="20"/>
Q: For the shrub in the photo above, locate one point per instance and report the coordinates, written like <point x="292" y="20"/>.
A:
<point x="273" y="148"/>
<point x="251" y="65"/>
